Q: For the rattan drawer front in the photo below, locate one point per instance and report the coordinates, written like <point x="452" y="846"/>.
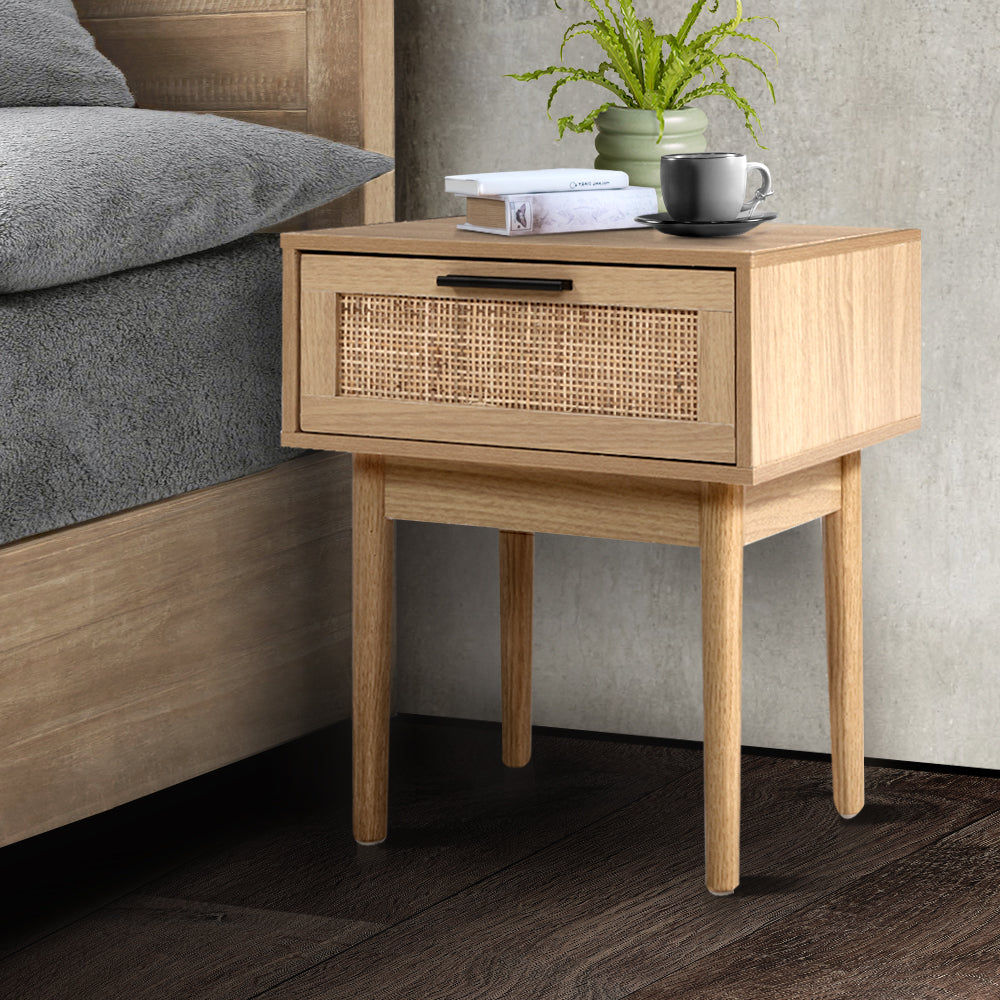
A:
<point x="629" y="361"/>
<point x="557" y="357"/>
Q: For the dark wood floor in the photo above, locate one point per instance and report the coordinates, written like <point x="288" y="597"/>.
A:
<point x="577" y="878"/>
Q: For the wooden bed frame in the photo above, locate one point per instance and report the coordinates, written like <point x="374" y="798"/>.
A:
<point x="147" y="647"/>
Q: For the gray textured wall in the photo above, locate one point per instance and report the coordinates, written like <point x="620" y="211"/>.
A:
<point x="887" y="115"/>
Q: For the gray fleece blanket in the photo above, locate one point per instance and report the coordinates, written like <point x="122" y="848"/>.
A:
<point x="47" y="57"/>
<point x="139" y="385"/>
<point x="90" y="191"/>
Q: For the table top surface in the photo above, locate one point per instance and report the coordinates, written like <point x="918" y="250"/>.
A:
<point x="766" y="245"/>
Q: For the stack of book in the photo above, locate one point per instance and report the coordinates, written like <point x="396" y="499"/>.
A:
<point x="560" y="200"/>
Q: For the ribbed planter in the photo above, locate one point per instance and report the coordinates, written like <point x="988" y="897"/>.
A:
<point x="627" y="140"/>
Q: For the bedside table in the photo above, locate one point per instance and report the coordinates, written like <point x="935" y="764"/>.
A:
<point x="624" y="384"/>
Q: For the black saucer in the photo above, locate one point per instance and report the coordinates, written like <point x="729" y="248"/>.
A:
<point x="665" y="224"/>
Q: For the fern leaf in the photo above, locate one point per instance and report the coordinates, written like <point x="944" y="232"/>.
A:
<point x="609" y="21"/>
<point x="762" y="17"/>
<point x="571" y="32"/>
<point x="536" y="74"/>
<point x="630" y="36"/>
<point x="711" y="37"/>
<point x="652" y="51"/>
<point x="722" y="89"/>
<point x="760" y="41"/>
<point x="692" y="16"/>
<point x="760" y="69"/>
<point x="585" y="124"/>
<point x="620" y="61"/>
<point x="590" y="76"/>
<point x="678" y="70"/>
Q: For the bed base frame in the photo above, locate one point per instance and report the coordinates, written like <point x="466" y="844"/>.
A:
<point x="148" y="647"/>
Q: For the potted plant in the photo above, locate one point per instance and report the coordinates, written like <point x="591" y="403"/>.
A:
<point x="653" y="79"/>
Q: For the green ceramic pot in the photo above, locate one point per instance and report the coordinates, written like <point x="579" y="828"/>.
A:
<point x="627" y="140"/>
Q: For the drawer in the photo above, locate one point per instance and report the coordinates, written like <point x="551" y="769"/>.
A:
<point x="622" y="360"/>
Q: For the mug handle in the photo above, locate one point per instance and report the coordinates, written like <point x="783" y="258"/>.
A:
<point x="764" y="191"/>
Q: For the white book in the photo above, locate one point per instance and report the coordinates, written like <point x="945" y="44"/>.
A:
<point x="533" y="181"/>
<point x="559" y="211"/>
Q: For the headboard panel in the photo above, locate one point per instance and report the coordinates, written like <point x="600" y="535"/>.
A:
<point x="319" y="66"/>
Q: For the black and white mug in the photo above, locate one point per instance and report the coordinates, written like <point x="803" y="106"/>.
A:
<point x="710" y="187"/>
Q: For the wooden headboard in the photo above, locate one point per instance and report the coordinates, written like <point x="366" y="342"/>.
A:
<point x="318" y="66"/>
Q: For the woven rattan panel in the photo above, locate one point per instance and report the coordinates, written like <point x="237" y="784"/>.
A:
<point x="560" y="357"/>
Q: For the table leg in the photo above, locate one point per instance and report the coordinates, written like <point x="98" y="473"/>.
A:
<point x="842" y="575"/>
<point x="517" y="551"/>
<point x="372" y="622"/>
<point x="721" y="539"/>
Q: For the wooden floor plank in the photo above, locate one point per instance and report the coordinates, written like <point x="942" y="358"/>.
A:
<point x="622" y="904"/>
<point x="577" y="878"/>
<point x="149" y="946"/>
<point x="456" y="816"/>
<point x="52" y="880"/>
<point x="923" y="927"/>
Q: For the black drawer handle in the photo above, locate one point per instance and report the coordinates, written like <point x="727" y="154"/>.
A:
<point x="492" y="281"/>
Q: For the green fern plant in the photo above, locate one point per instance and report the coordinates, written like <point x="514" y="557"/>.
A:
<point x="653" y="71"/>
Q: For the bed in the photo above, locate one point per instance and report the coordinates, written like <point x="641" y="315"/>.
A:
<point x="174" y="600"/>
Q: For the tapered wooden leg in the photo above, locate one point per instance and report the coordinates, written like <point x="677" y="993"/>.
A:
<point x="842" y="573"/>
<point x="373" y="582"/>
<point x="517" y="553"/>
<point x="722" y="638"/>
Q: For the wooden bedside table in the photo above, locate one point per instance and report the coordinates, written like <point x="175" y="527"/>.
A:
<point x="623" y="384"/>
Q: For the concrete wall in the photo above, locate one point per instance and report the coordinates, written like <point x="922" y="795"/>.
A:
<point x="886" y="115"/>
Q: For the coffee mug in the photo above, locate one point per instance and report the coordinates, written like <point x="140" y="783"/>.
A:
<point x="709" y="187"/>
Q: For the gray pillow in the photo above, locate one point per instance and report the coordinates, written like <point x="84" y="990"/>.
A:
<point x="47" y="57"/>
<point x="90" y="191"/>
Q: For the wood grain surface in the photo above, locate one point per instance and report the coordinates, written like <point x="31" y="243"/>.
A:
<point x="373" y="589"/>
<point x="721" y="540"/>
<point x="211" y="62"/>
<point x="105" y="641"/>
<point x="588" y="918"/>
<point x="517" y="571"/>
<point x="460" y="816"/>
<point x="780" y="504"/>
<point x="648" y="287"/>
<point x="935" y="916"/>
<point x="386" y="420"/>
<point x="290" y="348"/>
<point x="844" y="639"/>
<point x="351" y="86"/>
<point x="211" y="937"/>
<point x="576" y="878"/>
<point x="645" y="510"/>
<point x="147" y="8"/>
<point x="765" y="246"/>
<point x="522" y="458"/>
<point x="839" y="357"/>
